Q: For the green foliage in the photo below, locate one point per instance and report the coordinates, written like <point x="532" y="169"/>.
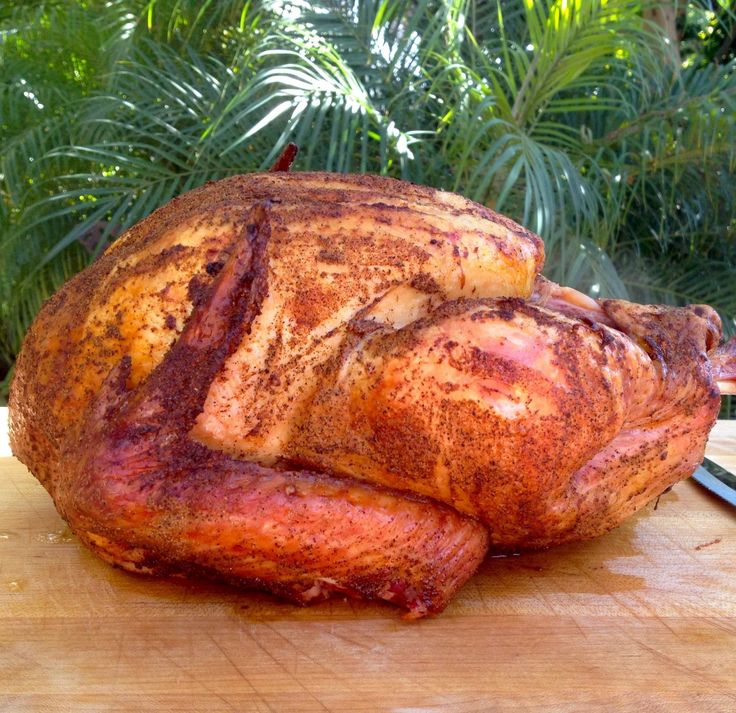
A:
<point x="564" y="114"/>
<point x="708" y="31"/>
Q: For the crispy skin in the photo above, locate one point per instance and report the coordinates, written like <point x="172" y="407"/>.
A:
<point x="320" y="384"/>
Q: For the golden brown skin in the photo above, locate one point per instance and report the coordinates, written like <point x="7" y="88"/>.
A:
<point x="315" y="383"/>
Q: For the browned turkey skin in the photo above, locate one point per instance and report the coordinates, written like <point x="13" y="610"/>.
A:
<point x="315" y="384"/>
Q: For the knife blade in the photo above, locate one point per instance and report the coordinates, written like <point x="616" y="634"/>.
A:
<point x="716" y="479"/>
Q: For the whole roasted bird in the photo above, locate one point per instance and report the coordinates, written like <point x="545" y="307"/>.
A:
<point x="315" y="384"/>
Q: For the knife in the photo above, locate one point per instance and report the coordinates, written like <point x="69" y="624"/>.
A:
<point x="716" y="479"/>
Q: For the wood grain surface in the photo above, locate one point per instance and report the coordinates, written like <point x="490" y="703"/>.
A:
<point x="642" y="619"/>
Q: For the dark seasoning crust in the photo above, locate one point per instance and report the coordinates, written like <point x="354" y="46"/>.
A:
<point x="145" y="495"/>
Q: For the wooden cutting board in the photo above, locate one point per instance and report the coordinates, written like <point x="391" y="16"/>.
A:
<point x="642" y="619"/>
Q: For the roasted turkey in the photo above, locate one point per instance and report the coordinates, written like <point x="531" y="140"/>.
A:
<point x="320" y="384"/>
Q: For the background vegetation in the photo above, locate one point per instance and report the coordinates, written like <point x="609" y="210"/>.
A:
<point x="607" y="126"/>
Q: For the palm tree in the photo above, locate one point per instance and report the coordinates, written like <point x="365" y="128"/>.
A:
<point x="561" y="113"/>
